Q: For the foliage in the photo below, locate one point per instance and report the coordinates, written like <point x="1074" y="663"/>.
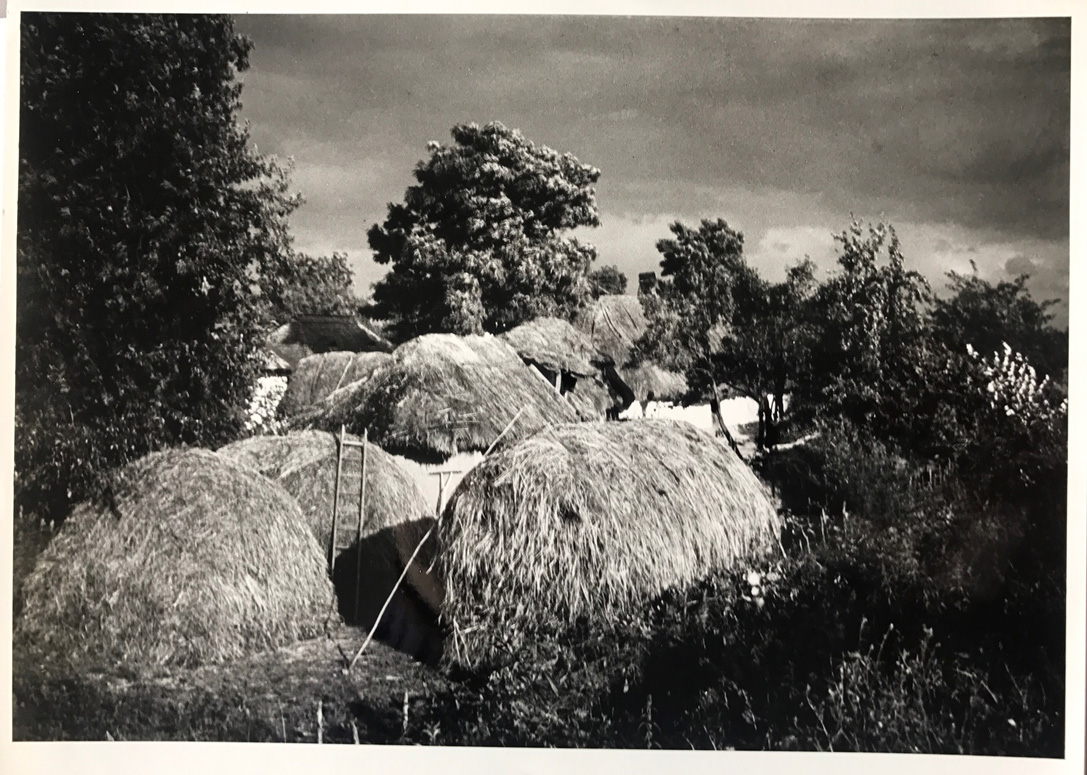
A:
<point x="147" y="227"/>
<point x="310" y="285"/>
<point x="607" y="280"/>
<point x="264" y="404"/>
<point x="478" y="243"/>
<point x="987" y="316"/>
<point x="872" y="333"/>
<point x="712" y="316"/>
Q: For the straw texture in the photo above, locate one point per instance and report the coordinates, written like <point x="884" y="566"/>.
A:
<point x="194" y="560"/>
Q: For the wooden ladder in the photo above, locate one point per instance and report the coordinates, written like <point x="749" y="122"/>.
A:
<point x="344" y="444"/>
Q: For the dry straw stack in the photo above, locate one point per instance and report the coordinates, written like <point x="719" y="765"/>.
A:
<point x="304" y="462"/>
<point x="589" y="520"/>
<point x="194" y="559"/>
<point x="442" y="394"/>
<point x="318" y="376"/>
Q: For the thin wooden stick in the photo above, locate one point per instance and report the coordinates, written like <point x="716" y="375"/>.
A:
<point x="336" y="501"/>
<point x="362" y="518"/>
<point x="389" y="599"/>
<point x="503" y="433"/>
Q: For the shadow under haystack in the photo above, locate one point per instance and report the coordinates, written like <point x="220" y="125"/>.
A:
<point x="192" y="559"/>
<point x="590" y="520"/>
<point x="366" y="567"/>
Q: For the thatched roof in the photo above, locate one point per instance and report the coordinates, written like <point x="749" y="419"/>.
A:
<point x="646" y="378"/>
<point x="591" y="519"/>
<point x="311" y="334"/>
<point x="304" y="463"/>
<point x="613" y="323"/>
<point x="442" y="394"/>
<point x="194" y="559"/>
<point x="318" y="376"/>
<point x="272" y="364"/>
<point x="554" y="344"/>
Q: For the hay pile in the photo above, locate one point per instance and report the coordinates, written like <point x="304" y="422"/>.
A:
<point x="555" y="345"/>
<point x="318" y="376"/>
<point x="646" y="378"/>
<point x="442" y="394"/>
<point x="613" y="324"/>
<point x="304" y="463"/>
<point x="591" y="519"/>
<point x="194" y="559"/>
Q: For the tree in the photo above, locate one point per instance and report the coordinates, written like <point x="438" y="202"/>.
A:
<point x="867" y="360"/>
<point x="478" y="243"/>
<point x="147" y="228"/>
<point x="607" y="280"/>
<point x="987" y="316"/>
<point x="308" y="285"/>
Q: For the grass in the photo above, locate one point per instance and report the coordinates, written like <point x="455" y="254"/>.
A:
<point x="916" y="619"/>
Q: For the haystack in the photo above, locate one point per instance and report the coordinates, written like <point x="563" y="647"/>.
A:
<point x="318" y="376"/>
<point x="648" y="378"/>
<point x="592" y="519"/>
<point x="443" y="394"/>
<point x="193" y="559"/>
<point x="613" y="324"/>
<point x="304" y="463"/>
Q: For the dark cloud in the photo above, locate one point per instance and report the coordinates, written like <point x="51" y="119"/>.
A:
<point x="962" y="122"/>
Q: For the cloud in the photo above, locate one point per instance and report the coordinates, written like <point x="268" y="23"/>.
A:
<point x="951" y="129"/>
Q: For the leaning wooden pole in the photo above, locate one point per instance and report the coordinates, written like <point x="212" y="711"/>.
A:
<point x="362" y="519"/>
<point x="336" y="501"/>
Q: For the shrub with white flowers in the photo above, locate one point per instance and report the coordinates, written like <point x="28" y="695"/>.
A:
<point x="264" y="403"/>
<point x="1014" y="388"/>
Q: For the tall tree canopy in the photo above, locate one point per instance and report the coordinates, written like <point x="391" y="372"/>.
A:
<point x="987" y="316"/>
<point x="607" y="280"/>
<point x="712" y="316"/>
<point x="311" y="285"/>
<point x="478" y="243"/>
<point x="147" y="228"/>
<point x="872" y="339"/>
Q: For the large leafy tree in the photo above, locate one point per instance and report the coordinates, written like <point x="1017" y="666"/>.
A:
<point x="311" y="285"/>
<point x="987" y="316"/>
<point x="147" y="228"/>
<point x="479" y="243"/>
<point x="607" y="280"/>
<point x="868" y="361"/>
<point x="712" y="316"/>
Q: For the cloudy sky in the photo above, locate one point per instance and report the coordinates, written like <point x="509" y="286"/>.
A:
<point x="956" y="132"/>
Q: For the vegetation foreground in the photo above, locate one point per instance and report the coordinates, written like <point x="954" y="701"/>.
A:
<point x="850" y="641"/>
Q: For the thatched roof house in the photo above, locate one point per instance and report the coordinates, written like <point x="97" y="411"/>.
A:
<point x="555" y="345"/>
<point x="318" y="376"/>
<point x="193" y="559"/>
<point x="592" y="519"/>
<point x="311" y="334"/>
<point x="443" y="394"/>
<point x="566" y="359"/>
<point x="613" y="324"/>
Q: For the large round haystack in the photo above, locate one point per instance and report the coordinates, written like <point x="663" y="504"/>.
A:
<point x="613" y="323"/>
<point x="442" y="394"/>
<point x="193" y="559"/>
<point x="304" y="462"/>
<point x="318" y="376"/>
<point x="591" y="519"/>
